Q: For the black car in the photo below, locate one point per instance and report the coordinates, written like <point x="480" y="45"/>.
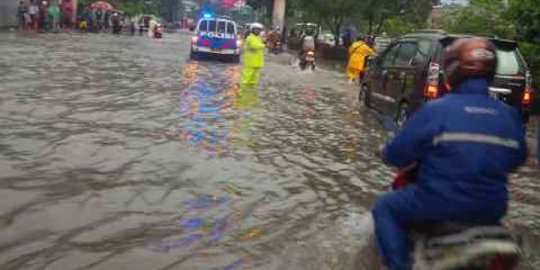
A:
<point x="409" y="72"/>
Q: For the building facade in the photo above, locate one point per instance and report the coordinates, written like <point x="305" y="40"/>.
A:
<point x="8" y="13"/>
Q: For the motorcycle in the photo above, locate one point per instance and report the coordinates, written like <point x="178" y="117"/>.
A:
<point x="460" y="246"/>
<point x="307" y="60"/>
<point x="274" y="43"/>
<point x="116" y="26"/>
<point x="275" y="47"/>
<point x="158" y="31"/>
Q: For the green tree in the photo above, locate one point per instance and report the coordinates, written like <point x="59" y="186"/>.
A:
<point x="332" y="13"/>
<point x="171" y="10"/>
<point x="526" y="16"/>
<point x="480" y="17"/>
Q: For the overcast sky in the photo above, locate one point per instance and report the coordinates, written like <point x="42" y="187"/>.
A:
<point x="459" y="2"/>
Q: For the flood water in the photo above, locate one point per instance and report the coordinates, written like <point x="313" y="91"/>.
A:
<point x="118" y="152"/>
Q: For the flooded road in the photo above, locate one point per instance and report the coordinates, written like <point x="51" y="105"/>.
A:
<point x="120" y="153"/>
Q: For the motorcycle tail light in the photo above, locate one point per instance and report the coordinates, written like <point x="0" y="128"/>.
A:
<point x="527" y="97"/>
<point x="194" y="39"/>
<point x="431" y="91"/>
<point x="310" y="53"/>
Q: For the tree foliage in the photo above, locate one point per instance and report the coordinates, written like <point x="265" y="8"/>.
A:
<point x="526" y="16"/>
<point x="130" y="7"/>
<point x="520" y="21"/>
<point x="480" y="17"/>
<point x="332" y="13"/>
<point x="375" y="15"/>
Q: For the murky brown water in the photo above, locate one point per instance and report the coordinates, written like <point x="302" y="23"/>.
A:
<point x="120" y="153"/>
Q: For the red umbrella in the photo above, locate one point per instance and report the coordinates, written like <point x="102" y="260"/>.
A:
<point x="101" y="5"/>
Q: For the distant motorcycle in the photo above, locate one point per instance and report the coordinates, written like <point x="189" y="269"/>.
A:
<point x="116" y="25"/>
<point x="274" y="43"/>
<point x="158" y="31"/>
<point x="275" y="47"/>
<point x="307" y="60"/>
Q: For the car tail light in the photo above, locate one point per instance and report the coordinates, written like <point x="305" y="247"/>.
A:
<point x="527" y="97"/>
<point x="194" y="39"/>
<point x="503" y="263"/>
<point x="432" y="85"/>
<point x="238" y="43"/>
<point x="527" y="93"/>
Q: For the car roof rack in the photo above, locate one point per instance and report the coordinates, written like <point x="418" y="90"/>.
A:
<point x="431" y="31"/>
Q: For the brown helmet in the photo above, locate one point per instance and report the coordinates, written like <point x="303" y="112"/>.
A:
<point x="469" y="57"/>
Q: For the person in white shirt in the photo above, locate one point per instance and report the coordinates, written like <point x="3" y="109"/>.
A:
<point x="33" y="10"/>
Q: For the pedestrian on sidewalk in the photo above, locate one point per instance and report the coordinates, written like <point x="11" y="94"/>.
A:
<point x="33" y="10"/>
<point x="44" y="16"/>
<point x="358" y="53"/>
<point x="54" y="15"/>
<point x="22" y="11"/>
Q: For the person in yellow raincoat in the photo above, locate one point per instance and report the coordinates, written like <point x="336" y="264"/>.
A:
<point x="358" y="52"/>
<point x="253" y="56"/>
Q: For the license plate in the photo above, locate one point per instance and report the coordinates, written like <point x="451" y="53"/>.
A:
<point x="499" y="93"/>
<point x="494" y="95"/>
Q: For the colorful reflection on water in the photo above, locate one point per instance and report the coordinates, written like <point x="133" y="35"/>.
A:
<point x="213" y="117"/>
<point x="214" y="220"/>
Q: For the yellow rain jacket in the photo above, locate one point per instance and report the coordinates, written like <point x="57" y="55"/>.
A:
<point x="358" y="52"/>
<point x="254" y="52"/>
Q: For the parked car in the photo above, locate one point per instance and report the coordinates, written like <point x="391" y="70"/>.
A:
<point x="409" y="73"/>
<point x="216" y="37"/>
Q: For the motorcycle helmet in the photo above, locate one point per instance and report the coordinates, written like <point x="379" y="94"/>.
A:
<point x="256" y="26"/>
<point x="469" y="57"/>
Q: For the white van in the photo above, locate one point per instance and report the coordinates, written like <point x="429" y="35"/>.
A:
<point x="216" y="36"/>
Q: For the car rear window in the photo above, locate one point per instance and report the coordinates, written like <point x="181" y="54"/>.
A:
<point x="508" y="62"/>
<point x="212" y="26"/>
<point x="221" y="27"/>
<point x="204" y="26"/>
<point x="230" y="28"/>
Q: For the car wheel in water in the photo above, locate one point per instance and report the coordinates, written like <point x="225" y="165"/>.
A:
<point x="193" y="55"/>
<point x="363" y="96"/>
<point x="236" y="59"/>
<point x="403" y="114"/>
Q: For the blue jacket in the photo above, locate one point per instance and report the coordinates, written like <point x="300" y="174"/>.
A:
<point x="465" y="144"/>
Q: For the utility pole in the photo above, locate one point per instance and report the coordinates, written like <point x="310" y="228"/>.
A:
<point x="278" y="13"/>
<point x="74" y="4"/>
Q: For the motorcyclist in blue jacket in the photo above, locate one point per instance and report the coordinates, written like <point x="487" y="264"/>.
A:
<point x="465" y="144"/>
